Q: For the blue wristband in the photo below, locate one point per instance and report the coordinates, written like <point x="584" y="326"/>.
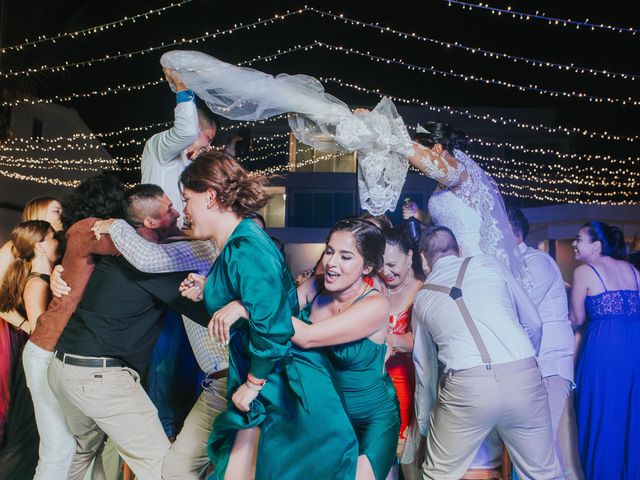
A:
<point x="184" y="96"/>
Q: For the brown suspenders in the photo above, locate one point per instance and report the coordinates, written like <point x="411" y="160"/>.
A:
<point x="456" y="294"/>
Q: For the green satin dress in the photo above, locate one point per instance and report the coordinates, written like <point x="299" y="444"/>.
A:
<point x="370" y="399"/>
<point x="304" y="430"/>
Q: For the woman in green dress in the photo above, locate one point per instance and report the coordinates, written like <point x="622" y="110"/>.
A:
<point x="284" y="392"/>
<point x="351" y="318"/>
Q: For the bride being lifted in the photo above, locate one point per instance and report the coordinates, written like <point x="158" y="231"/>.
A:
<point x="468" y="201"/>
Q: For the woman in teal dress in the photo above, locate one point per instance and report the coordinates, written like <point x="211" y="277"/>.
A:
<point x="351" y="318"/>
<point x="285" y="392"/>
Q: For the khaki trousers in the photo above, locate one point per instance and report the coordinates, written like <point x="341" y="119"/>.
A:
<point x="510" y="398"/>
<point x="99" y="401"/>
<point x="563" y="421"/>
<point x="187" y="459"/>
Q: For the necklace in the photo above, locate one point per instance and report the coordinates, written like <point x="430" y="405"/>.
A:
<point x="352" y="302"/>
<point x="400" y="287"/>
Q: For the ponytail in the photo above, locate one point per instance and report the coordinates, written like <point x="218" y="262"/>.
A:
<point x="13" y="285"/>
<point x="24" y="238"/>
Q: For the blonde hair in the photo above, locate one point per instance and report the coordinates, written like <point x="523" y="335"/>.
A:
<point x="24" y="237"/>
<point x="36" y="208"/>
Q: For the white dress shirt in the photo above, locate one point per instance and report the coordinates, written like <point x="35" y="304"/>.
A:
<point x="164" y="156"/>
<point x="505" y="317"/>
<point x="550" y="298"/>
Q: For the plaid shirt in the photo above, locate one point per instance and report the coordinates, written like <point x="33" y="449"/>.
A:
<point x="190" y="255"/>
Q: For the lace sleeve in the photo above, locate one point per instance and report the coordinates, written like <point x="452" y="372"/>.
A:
<point x="446" y="172"/>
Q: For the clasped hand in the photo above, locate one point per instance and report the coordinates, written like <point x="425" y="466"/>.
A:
<point x="192" y="286"/>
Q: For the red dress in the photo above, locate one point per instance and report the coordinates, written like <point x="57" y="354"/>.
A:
<point x="402" y="372"/>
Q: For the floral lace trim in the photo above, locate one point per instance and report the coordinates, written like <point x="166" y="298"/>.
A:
<point x="445" y="174"/>
<point x="383" y="145"/>
<point x="615" y="302"/>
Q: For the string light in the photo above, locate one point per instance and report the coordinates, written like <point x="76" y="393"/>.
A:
<point x="596" y="178"/>
<point x="74" y="96"/>
<point x="548" y="151"/>
<point x="540" y="193"/>
<point x="508" y="121"/>
<point x="40" y="179"/>
<point x="564" y="22"/>
<point x="288" y="167"/>
<point x="502" y="83"/>
<point x="20" y="145"/>
<point x="140" y="86"/>
<point x="92" y="30"/>
<point x="486" y="53"/>
<point x="123" y="131"/>
<point x="486" y="117"/>
<point x="183" y="41"/>
<point x="552" y="194"/>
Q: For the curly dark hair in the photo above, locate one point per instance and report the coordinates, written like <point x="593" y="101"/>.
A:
<point x="101" y="196"/>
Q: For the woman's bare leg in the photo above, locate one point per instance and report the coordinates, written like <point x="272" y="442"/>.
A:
<point x="242" y="460"/>
<point x="364" y="470"/>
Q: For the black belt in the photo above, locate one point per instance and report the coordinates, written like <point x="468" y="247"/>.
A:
<point x="88" y="362"/>
<point x="219" y="374"/>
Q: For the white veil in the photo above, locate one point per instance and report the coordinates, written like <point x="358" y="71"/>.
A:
<point x="316" y="118"/>
<point x="482" y="194"/>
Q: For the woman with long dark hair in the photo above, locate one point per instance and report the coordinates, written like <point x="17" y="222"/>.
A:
<point x="351" y="318"/>
<point x="467" y="199"/>
<point x="14" y="327"/>
<point x="25" y="288"/>
<point x="605" y="302"/>
<point x="285" y="393"/>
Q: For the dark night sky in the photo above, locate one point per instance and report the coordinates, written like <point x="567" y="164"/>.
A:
<point x="433" y="18"/>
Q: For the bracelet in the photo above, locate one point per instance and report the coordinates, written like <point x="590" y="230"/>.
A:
<point x="254" y="381"/>
<point x="252" y="386"/>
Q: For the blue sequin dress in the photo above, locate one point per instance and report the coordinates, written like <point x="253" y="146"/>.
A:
<point x="608" y="386"/>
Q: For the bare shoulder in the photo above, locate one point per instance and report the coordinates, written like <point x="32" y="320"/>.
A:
<point x="35" y="286"/>
<point x="376" y="300"/>
<point x="582" y="270"/>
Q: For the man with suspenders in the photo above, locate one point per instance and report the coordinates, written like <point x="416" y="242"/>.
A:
<point x="487" y="333"/>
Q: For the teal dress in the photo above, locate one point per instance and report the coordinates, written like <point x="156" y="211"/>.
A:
<point x="304" y="430"/>
<point x="370" y="399"/>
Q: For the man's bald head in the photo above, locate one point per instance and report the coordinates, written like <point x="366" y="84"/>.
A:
<point x="437" y="242"/>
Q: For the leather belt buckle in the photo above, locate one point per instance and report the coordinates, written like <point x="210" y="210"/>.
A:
<point x="88" y="362"/>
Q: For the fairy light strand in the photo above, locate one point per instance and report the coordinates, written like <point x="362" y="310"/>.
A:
<point x="475" y="78"/>
<point x="505" y="121"/>
<point x="95" y="29"/>
<point x="564" y="22"/>
<point x="119" y="55"/>
<point x="486" y="53"/>
<point x="487" y="117"/>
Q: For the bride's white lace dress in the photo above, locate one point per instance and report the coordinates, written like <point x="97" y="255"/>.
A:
<point x="468" y="202"/>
